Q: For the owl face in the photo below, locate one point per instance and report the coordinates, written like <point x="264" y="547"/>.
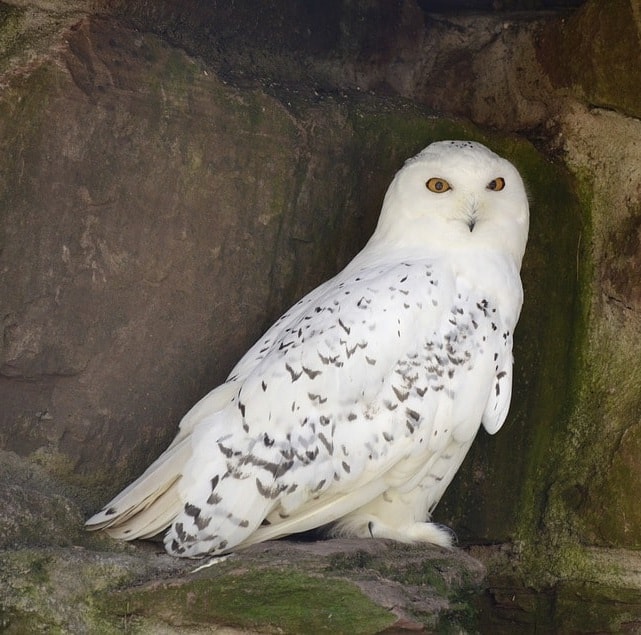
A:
<point x="457" y="195"/>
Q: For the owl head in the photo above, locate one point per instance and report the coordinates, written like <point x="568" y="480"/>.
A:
<point x="455" y="195"/>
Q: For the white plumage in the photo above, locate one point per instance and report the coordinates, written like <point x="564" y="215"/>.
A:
<point x="358" y="406"/>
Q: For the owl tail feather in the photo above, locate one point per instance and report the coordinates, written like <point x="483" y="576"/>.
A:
<point x="316" y="513"/>
<point x="150" y="503"/>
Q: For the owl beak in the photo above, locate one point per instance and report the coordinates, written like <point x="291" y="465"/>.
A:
<point x="471" y="216"/>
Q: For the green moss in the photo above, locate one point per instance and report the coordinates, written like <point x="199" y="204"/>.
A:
<point x="11" y="27"/>
<point x="358" y="559"/>
<point x="592" y="607"/>
<point x="180" y="68"/>
<point x="607" y="403"/>
<point x="51" y="590"/>
<point x="38" y="565"/>
<point x="444" y="579"/>
<point x="393" y="131"/>
<point x="278" y="601"/>
<point x="427" y="573"/>
<point x="25" y="577"/>
<point x="593" y="498"/>
<point x="23" y="108"/>
<point x="418" y="573"/>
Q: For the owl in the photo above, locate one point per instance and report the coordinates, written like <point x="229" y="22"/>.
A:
<point x="356" y="408"/>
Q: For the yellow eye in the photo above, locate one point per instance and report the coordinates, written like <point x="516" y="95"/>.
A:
<point x="496" y="185"/>
<point x="437" y="185"/>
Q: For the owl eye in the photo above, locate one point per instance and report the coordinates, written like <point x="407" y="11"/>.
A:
<point x="437" y="185"/>
<point x="496" y="185"/>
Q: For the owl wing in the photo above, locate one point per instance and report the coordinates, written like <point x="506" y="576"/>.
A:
<point x="510" y="301"/>
<point x="378" y="369"/>
<point x="498" y="402"/>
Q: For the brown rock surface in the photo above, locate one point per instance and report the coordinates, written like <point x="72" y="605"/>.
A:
<point x="155" y="222"/>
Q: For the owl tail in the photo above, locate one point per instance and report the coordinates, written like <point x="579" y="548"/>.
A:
<point x="316" y="513"/>
<point x="150" y="503"/>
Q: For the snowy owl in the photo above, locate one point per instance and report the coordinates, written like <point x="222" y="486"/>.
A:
<point x="356" y="408"/>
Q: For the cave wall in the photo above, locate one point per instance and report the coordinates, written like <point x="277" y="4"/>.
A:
<point x="153" y="234"/>
<point x="174" y="175"/>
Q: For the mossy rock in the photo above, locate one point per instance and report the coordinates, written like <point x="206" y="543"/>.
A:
<point x="266" y="601"/>
<point x="286" y="587"/>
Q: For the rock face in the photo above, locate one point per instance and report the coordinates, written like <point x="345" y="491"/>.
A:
<point x="286" y="587"/>
<point x="174" y="175"/>
<point x="146" y="245"/>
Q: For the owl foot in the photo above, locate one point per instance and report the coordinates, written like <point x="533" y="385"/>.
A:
<point x="369" y="526"/>
<point x="414" y="532"/>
